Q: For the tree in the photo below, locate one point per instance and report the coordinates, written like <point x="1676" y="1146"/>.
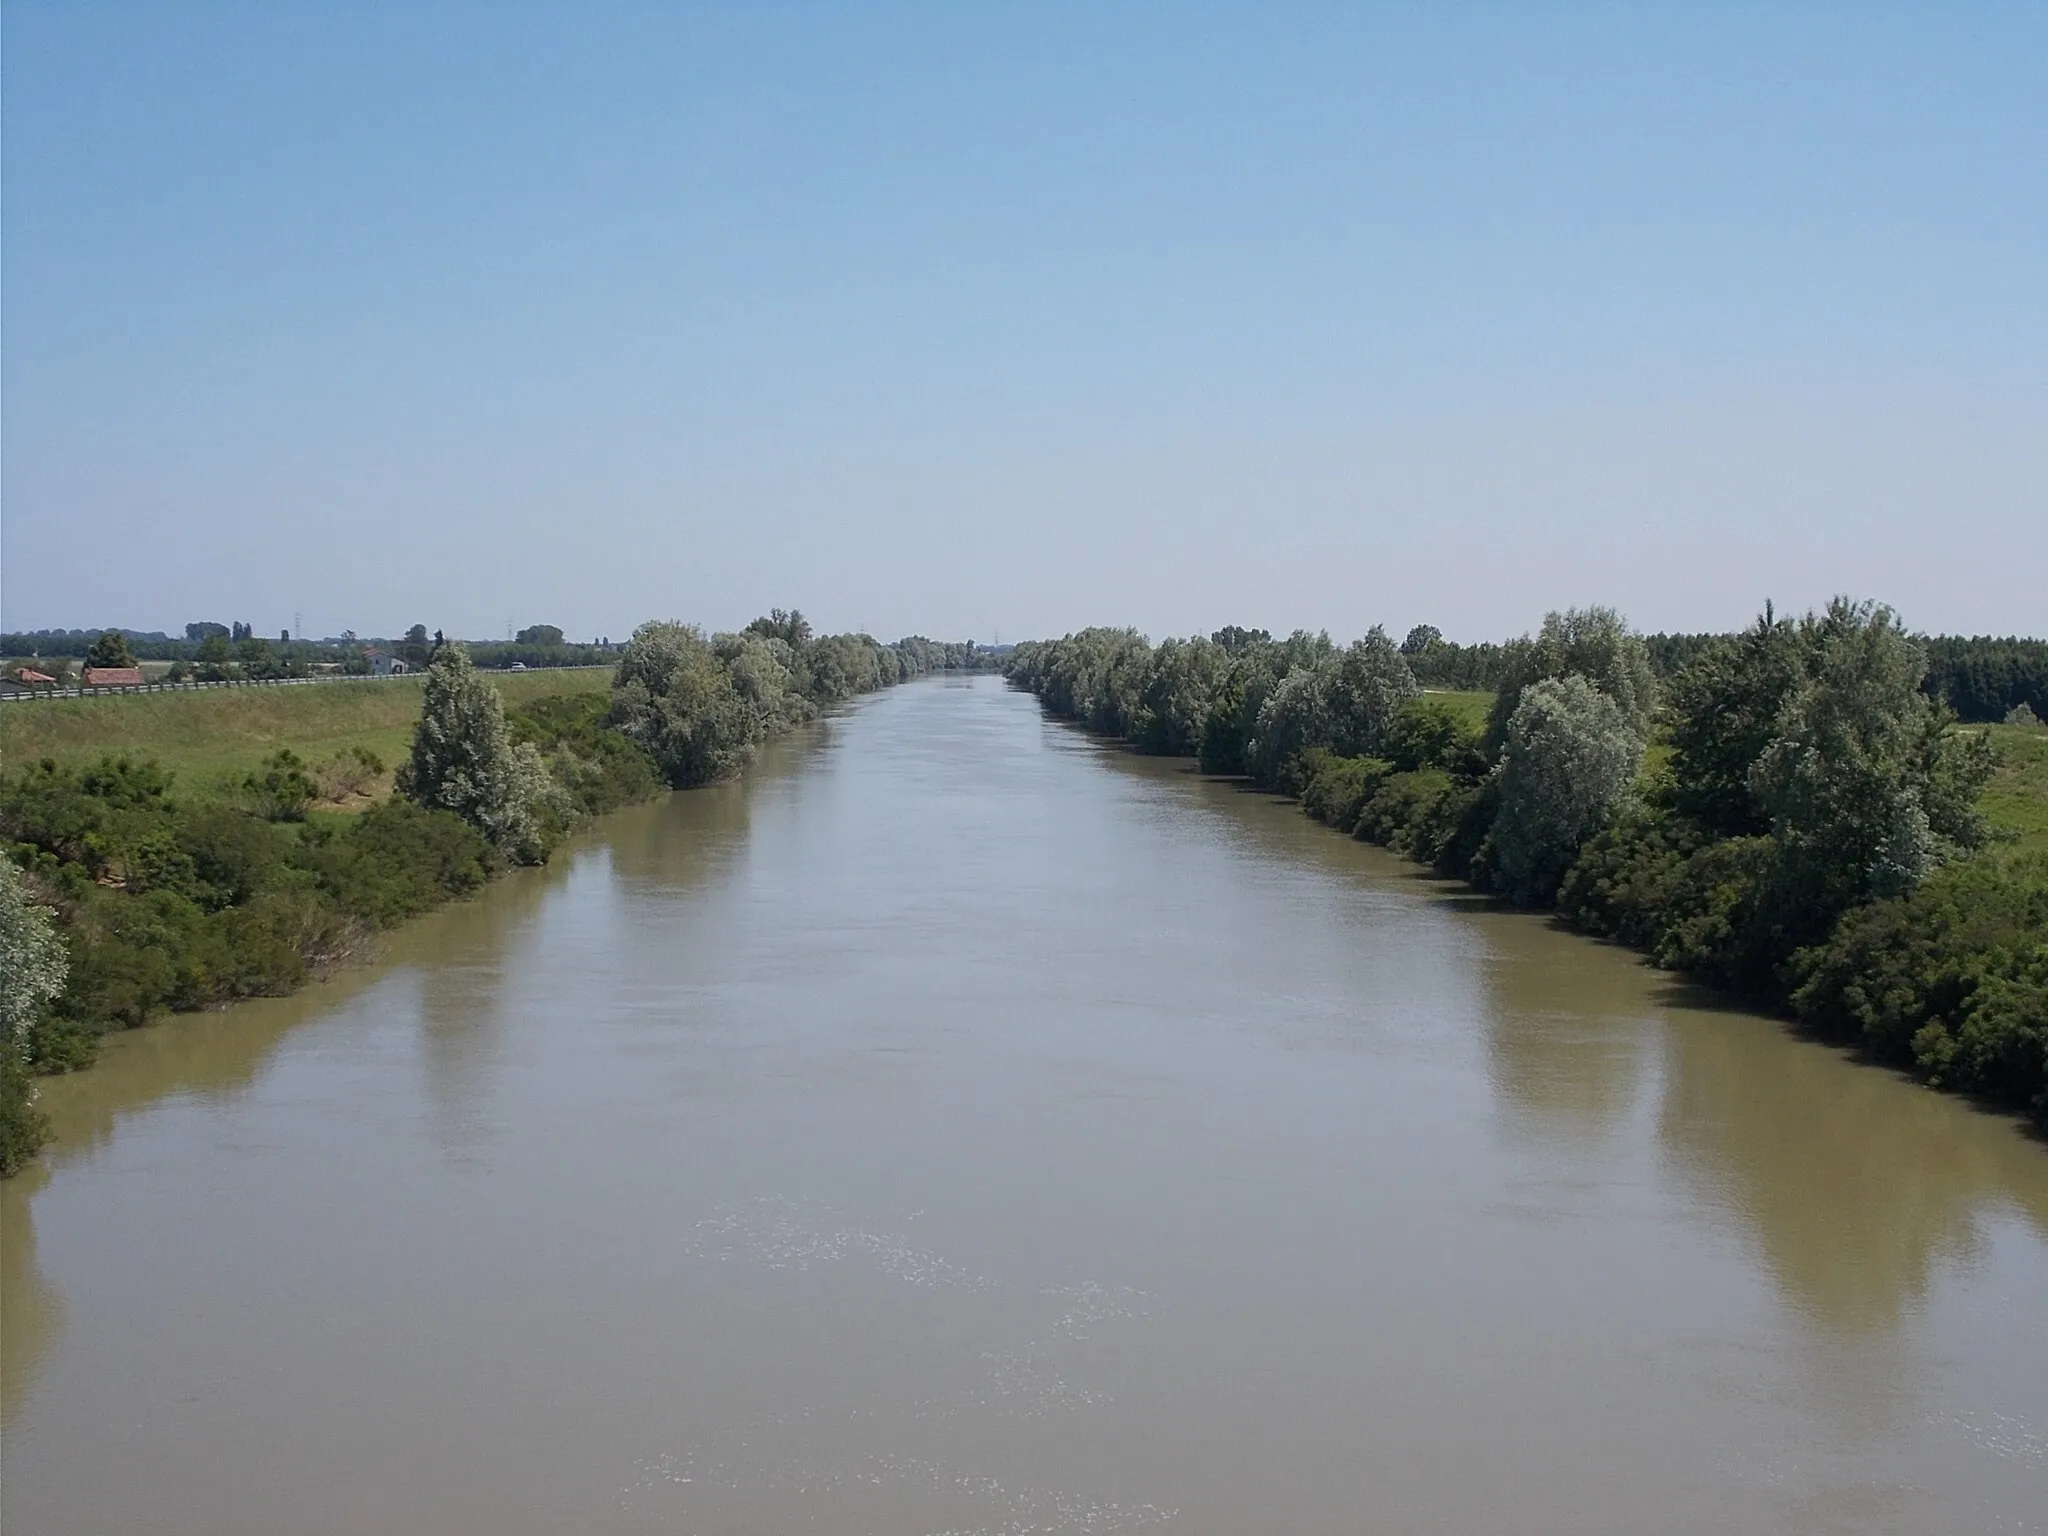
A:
<point x="672" y="696"/>
<point x="1230" y="736"/>
<point x="204" y="630"/>
<point x="1597" y="644"/>
<point x="464" y="760"/>
<point x="1569" y="759"/>
<point x="1095" y="676"/>
<point x="1295" y="716"/>
<point x="1237" y="640"/>
<point x="540" y="634"/>
<point x="763" y="673"/>
<point x="33" y="967"/>
<point x="1420" y="639"/>
<point x="213" y="658"/>
<point x="258" y="659"/>
<point x="1223" y="733"/>
<point x="785" y="624"/>
<point x="1723" y="716"/>
<point x="1866" y="787"/>
<point x="1371" y="683"/>
<point x="414" y="649"/>
<point x="111" y="649"/>
<point x="1176" y="695"/>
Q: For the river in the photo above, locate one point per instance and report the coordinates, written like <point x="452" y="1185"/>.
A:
<point x="962" y="1125"/>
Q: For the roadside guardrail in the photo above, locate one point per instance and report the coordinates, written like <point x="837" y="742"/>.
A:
<point x="28" y="691"/>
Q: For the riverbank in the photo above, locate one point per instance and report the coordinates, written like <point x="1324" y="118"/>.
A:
<point x="1788" y="818"/>
<point x="1943" y="982"/>
<point x="199" y="849"/>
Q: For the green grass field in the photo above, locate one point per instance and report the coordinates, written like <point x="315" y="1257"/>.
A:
<point x="2016" y="799"/>
<point x="211" y="737"/>
<point x="1472" y="708"/>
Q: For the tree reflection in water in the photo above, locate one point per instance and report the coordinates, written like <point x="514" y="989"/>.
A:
<point x="1854" y="1183"/>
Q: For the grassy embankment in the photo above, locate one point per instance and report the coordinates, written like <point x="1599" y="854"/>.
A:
<point x="212" y="738"/>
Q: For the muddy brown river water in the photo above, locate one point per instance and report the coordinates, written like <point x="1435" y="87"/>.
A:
<point x="963" y="1126"/>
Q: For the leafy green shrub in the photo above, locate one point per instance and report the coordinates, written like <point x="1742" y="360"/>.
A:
<point x="1625" y="881"/>
<point x="398" y="860"/>
<point x="1334" y="789"/>
<point x="1428" y="733"/>
<point x="86" y="816"/>
<point x="282" y="790"/>
<point x="1401" y="809"/>
<point x="232" y="856"/>
<point x="1725" y="922"/>
<point x="598" y="768"/>
<point x="1951" y="979"/>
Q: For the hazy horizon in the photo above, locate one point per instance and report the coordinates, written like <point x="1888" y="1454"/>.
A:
<point x="1016" y="319"/>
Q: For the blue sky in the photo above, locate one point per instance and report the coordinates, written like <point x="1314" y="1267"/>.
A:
<point x="978" y="319"/>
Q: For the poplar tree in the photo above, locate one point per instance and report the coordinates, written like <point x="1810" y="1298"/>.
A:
<point x="464" y="760"/>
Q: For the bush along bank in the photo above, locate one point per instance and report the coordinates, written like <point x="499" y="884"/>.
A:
<point x="1791" y="817"/>
<point x="121" y="899"/>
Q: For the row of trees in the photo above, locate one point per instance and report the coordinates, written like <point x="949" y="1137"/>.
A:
<point x="120" y="898"/>
<point x="700" y="705"/>
<point x="1982" y="678"/>
<point x="1807" y="821"/>
<point x="237" y="650"/>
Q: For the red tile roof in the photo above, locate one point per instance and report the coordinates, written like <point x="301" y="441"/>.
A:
<point x="31" y="675"/>
<point x="113" y="677"/>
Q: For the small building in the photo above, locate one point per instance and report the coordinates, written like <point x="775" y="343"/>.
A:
<point x="30" y="677"/>
<point x="113" y="677"/>
<point x="385" y="665"/>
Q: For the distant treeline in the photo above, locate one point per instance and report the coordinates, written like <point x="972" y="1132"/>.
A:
<point x="1807" y="834"/>
<point x="1982" y="678"/>
<point x="121" y="898"/>
<point x="237" y="650"/>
